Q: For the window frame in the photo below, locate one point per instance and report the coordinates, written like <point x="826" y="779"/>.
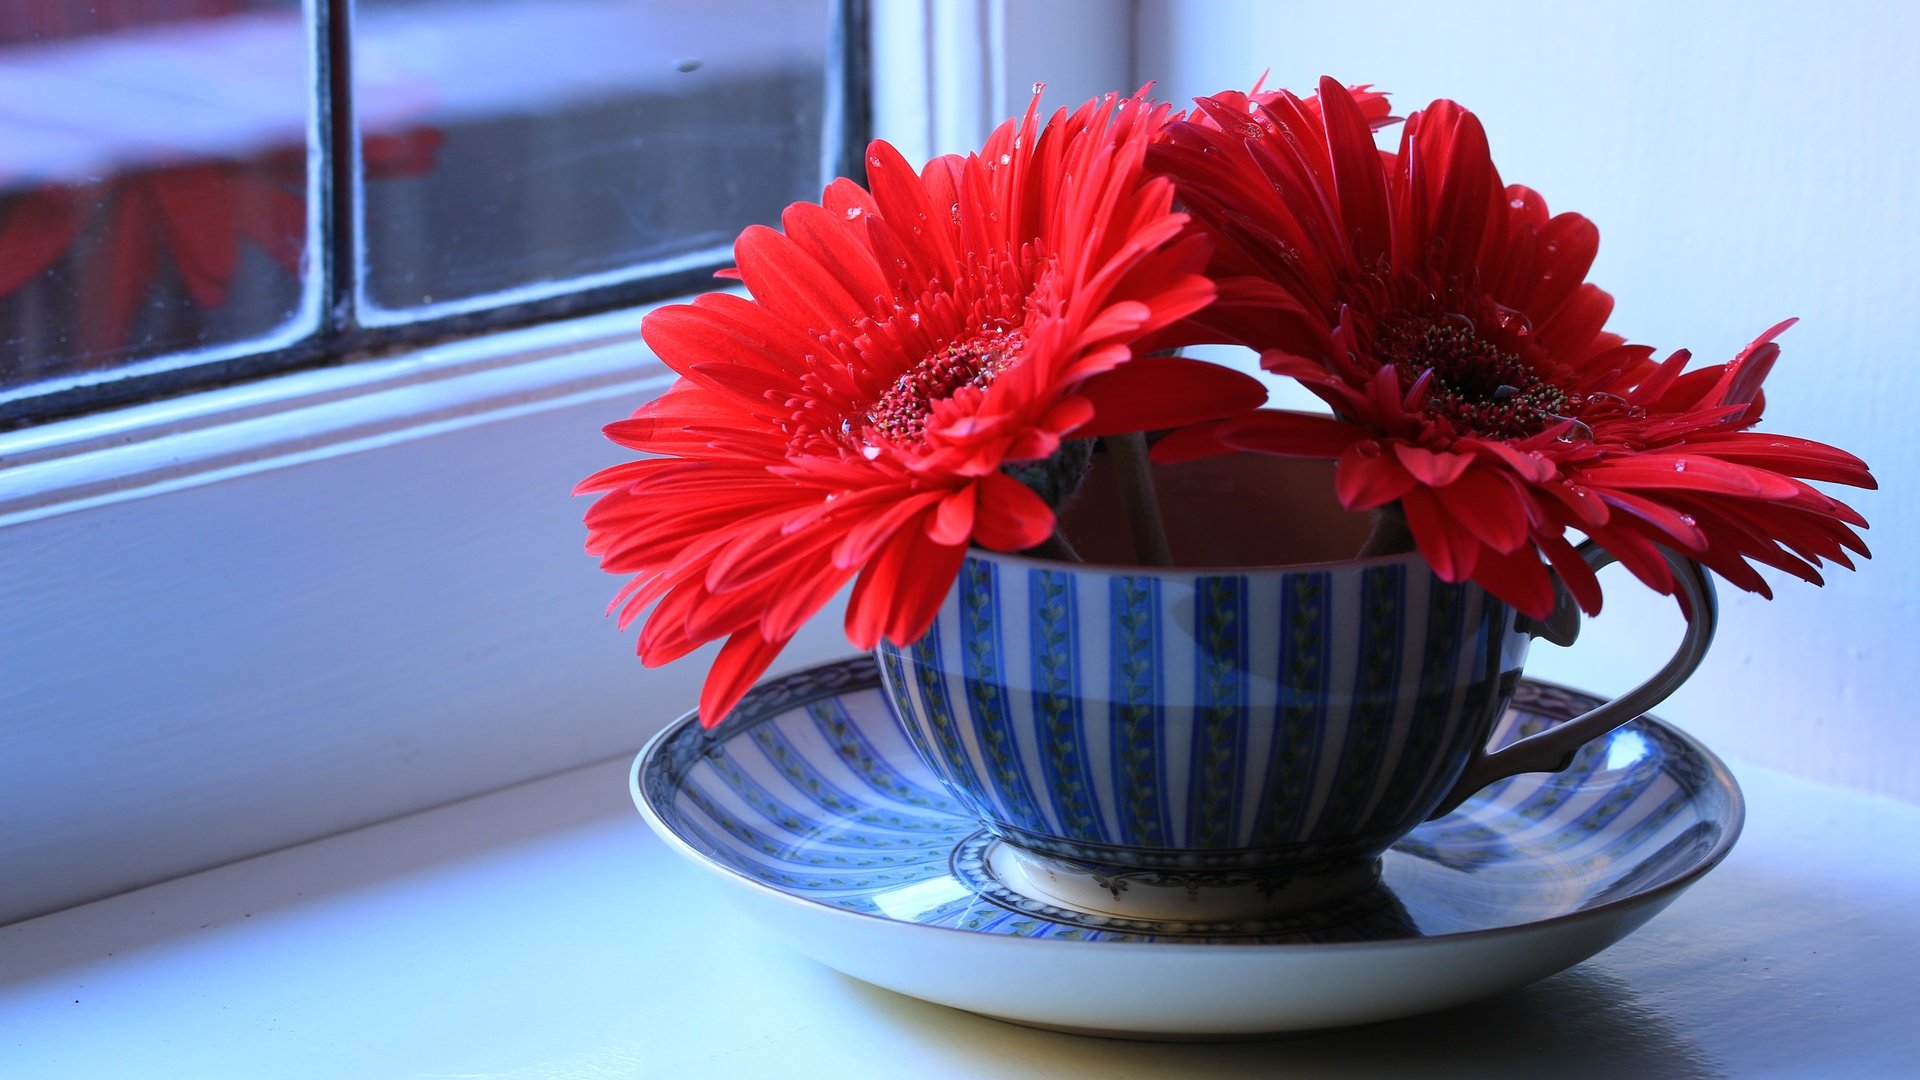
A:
<point x="333" y="324"/>
<point x="119" y="775"/>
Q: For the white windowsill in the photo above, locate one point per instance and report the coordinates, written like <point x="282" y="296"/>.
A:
<point x="260" y="615"/>
<point x="541" y="931"/>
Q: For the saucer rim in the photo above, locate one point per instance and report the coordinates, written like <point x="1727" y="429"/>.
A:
<point x="1657" y="896"/>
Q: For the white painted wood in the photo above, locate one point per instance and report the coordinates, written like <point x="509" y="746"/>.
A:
<point x="1744" y="162"/>
<point x="340" y="597"/>
<point x="543" y="932"/>
<point x="948" y="71"/>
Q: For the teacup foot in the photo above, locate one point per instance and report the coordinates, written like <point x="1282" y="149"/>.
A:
<point x="1174" y="894"/>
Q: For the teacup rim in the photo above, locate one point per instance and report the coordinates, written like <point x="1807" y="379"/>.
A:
<point x="1035" y="562"/>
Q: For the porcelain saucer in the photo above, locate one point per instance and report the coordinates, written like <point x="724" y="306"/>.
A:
<point x="809" y="803"/>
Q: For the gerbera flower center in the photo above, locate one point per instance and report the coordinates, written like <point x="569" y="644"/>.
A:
<point x="901" y="413"/>
<point x="1471" y="381"/>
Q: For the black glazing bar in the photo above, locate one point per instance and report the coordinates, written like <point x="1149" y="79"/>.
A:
<point x="338" y="259"/>
<point x="849" y="88"/>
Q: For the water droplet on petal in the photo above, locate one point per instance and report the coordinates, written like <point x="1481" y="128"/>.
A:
<point x="854" y="212"/>
<point x="1680" y="466"/>
<point x="1553" y="246"/>
<point x="1518" y="204"/>
<point x="869" y="451"/>
<point x="1039" y="86"/>
<point x="1687" y="519"/>
<point x="1513" y="322"/>
<point x="1576" y="431"/>
<point x="1006" y="159"/>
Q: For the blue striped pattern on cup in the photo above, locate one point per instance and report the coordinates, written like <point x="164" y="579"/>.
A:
<point x="1212" y="719"/>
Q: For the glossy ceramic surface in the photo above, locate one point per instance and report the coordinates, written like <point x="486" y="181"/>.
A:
<point x="1176" y="723"/>
<point x="811" y="805"/>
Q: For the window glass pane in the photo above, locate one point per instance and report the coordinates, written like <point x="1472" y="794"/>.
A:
<point x="154" y="185"/>
<point x="519" y="148"/>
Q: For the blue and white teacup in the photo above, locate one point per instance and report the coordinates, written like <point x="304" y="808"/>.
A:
<point x="1191" y="743"/>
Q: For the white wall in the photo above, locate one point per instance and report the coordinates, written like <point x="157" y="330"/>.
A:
<point x="1744" y="162"/>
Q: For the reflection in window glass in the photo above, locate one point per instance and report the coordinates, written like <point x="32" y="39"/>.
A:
<point x="519" y="148"/>
<point x="153" y="184"/>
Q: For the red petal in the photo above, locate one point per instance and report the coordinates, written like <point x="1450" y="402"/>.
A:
<point x="794" y="606"/>
<point x="1430" y="468"/>
<point x="1489" y="507"/>
<point x="952" y="521"/>
<point x="714" y="330"/>
<point x="1149" y="393"/>
<point x="790" y="285"/>
<point x="1368" y="477"/>
<point x="1691" y="472"/>
<point x="1678" y="530"/>
<point x="742" y="660"/>
<point x="1573" y="570"/>
<point x="1575" y="326"/>
<point x="1010" y="516"/>
<point x="1358" y="178"/>
<point x="880" y="526"/>
<point x="1192" y="443"/>
<point x="903" y="207"/>
<point x="1803" y="458"/>
<point x="1519" y="578"/>
<point x="1563" y="254"/>
<point x="1748" y="370"/>
<point x="1286" y="433"/>
<point x="900" y="591"/>
<point x="1447" y="544"/>
<point x="922" y="587"/>
<point x="824" y="236"/>
<point x="1637" y="553"/>
<point x="1470" y="193"/>
<point x="1531" y="467"/>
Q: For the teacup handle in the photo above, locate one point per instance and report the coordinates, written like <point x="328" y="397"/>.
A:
<point x="1553" y="749"/>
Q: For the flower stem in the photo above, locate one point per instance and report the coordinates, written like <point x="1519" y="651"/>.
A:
<point x="1129" y="454"/>
<point x="1055" y="547"/>
<point x="1390" y="535"/>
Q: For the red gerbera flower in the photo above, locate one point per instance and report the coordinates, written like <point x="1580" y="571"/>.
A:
<point x="900" y="346"/>
<point x="1447" y="322"/>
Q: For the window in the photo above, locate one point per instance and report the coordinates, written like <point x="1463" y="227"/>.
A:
<point x="239" y="618"/>
<point x="194" y="190"/>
